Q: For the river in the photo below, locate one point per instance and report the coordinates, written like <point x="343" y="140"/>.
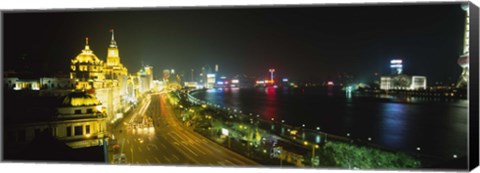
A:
<point x="438" y="126"/>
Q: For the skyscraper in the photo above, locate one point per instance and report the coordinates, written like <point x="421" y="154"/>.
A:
<point x="463" y="61"/>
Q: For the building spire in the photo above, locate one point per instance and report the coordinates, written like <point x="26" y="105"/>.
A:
<point x="466" y="38"/>
<point x="113" y="43"/>
<point x="87" y="47"/>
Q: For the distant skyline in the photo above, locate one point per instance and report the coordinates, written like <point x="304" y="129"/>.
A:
<point x="303" y="43"/>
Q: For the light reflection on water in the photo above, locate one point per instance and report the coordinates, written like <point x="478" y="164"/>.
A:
<point x="393" y="123"/>
<point x="439" y="126"/>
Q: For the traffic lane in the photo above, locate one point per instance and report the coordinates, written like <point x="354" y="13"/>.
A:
<point x="149" y="149"/>
<point x="169" y="134"/>
<point x="139" y="144"/>
<point x="178" y="151"/>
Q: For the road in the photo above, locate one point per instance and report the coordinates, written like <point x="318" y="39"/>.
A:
<point x="168" y="142"/>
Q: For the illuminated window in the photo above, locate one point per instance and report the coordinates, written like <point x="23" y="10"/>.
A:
<point x="87" y="129"/>
<point x="78" y="130"/>
<point x="69" y="130"/>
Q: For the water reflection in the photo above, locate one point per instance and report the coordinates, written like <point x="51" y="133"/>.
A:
<point x="271" y="103"/>
<point x="393" y="123"/>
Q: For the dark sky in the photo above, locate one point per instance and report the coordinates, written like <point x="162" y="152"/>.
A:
<point x="304" y="43"/>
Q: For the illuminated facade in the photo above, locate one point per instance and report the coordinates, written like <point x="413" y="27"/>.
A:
<point x="78" y="121"/>
<point x="108" y="81"/>
<point x="385" y="83"/>
<point x="87" y="70"/>
<point x="463" y="61"/>
<point x="210" y="81"/>
<point x="44" y="83"/>
<point x="399" y="81"/>
<point x="418" y="82"/>
<point x="166" y="75"/>
<point x="115" y="72"/>
<point x="403" y="82"/>
<point x="145" y="79"/>
<point x="83" y="118"/>
<point x="22" y="84"/>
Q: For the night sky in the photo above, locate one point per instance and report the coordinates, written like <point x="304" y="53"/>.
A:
<point x="303" y="43"/>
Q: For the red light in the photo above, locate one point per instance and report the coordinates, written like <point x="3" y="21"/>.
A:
<point x="330" y="83"/>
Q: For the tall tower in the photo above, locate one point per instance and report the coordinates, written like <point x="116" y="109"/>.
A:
<point x="271" y="73"/>
<point x="113" y="58"/>
<point x="463" y="61"/>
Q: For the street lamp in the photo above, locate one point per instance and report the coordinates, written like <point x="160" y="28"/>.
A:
<point x="314" y="146"/>
<point x="225" y="132"/>
<point x="313" y="152"/>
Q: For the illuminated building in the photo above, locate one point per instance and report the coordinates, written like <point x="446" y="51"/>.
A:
<point x="235" y="83"/>
<point x="396" y="66"/>
<point x="210" y="81"/>
<point x="157" y="85"/>
<point x="202" y="76"/>
<point x="142" y="79"/>
<point x="149" y="72"/>
<point x="22" y="84"/>
<point x="132" y="89"/>
<point x="145" y="78"/>
<point x="463" y="61"/>
<point x="87" y="70"/>
<point x="418" y="82"/>
<point x="106" y="80"/>
<point x="115" y="72"/>
<point x="399" y="81"/>
<point x="166" y="75"/>
<point x="385" y="83"/>
<point x="78" y="121"/>
<point x="192" y="85"/>
<point x="403" y="82"/>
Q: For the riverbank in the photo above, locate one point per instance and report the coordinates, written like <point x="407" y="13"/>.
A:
<point x="264" y="140"/>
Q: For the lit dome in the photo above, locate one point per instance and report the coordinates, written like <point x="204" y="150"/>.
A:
<point x="79" y="98"/>
<point x="87" y="57"/>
